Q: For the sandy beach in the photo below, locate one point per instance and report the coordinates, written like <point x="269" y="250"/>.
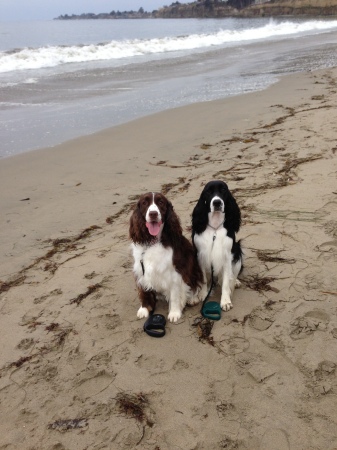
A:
<point x="76" y="369"/>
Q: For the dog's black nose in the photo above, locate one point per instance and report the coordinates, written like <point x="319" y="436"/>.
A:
<point x="217" y="204"/>
<point x="153" y="215"/>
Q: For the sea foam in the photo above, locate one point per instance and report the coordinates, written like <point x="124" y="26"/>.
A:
<point x="51" y="56"/>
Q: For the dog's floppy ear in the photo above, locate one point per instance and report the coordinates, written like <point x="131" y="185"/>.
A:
<point x="172" y="230"/>
<point x="200" y="216"/>
<point x="137" y="229"/>
<point x="232" y="215"/>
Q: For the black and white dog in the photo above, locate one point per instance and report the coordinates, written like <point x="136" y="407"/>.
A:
<point x="215" y="220"/>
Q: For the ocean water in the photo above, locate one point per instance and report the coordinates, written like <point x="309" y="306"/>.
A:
<point x="63" y="79"/>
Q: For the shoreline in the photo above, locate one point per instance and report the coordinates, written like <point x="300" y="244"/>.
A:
<point x="47" y="107"/>
<point x="126" y="122"/>
<point x="146" y="131"/>
<point x="74" y="352"/>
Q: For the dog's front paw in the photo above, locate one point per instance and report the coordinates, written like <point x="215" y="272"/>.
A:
<point x="142" y="313"/>
<point x="202" y="293"/>
<point x="237" y="283"/>
<point x="193" y="300"/>
<point x="174" y="316"/>
<point x="226" y="304"/>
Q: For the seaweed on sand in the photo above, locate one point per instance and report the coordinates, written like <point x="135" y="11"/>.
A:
<point x="270" y="256"/>
<point x="68" y="424"/>
<point x="92" y="288"/>
<point x="204" y="329"/>
<point x="133" y="405"/>
<point x="260" y="284"/>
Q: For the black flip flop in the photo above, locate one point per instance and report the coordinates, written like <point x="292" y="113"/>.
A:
<point x="155" y="325"/>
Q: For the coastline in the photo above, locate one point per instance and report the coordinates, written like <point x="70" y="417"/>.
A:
<point x="99" y="161"/>
<point x="269" y="380"/>
<point x="43" y="108"/>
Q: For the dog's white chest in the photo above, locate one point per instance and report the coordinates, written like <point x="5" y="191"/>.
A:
<point x="214" y="248"/>
<point x="153" y="266"/>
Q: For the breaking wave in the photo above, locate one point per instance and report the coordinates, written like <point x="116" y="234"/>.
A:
<point x="51" y="56"/>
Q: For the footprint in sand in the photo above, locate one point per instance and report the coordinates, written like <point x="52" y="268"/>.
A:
<point x="274" y="439"/>
<point x="152" y="362"/>
<point x="331" y="228"/>
<point x="47" y="373"/>
<point x="306" y="325"/>
<point x="100" y="361"/>
<point x="234" y="345"/>
<point x="25" y="344"/>
<point x="229" y="443"/>
<point x="91" y="386"/>
<point x="324" y="378"/>
<point x="260" y="319"/>
<point x="11" y="397"/>
<point x="180" y="364"/>
<point x="325" y="369"/>
<point x="111" y="321"/>
<point x="227" y="410"/>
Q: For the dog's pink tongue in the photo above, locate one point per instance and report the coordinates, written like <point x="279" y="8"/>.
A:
<point x="153" y="227"/>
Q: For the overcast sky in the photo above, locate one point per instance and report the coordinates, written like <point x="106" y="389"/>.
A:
<point x="49" y="9"/>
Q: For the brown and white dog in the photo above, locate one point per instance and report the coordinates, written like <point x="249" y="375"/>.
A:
<point x="165" y="262"/>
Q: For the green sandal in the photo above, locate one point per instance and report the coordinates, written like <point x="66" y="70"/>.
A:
<point x="211" y="310"/>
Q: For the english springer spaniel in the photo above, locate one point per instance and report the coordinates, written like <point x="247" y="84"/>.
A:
<point x="165" y="262"/>
<point x="215" y="220"/>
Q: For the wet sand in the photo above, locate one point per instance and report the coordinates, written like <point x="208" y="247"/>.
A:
<point x="77" y="371"/>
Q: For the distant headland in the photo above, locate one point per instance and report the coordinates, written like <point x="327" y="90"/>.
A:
<point x="222" y="8"/>
<point x="140" y="14"/>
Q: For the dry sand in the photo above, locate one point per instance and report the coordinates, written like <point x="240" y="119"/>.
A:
<point x="78" y="372"/>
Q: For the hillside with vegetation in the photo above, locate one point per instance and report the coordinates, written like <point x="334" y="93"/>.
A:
<point x="248" y="8"/>
<point x="140" y="14"/>
<point x="221" y="8"/>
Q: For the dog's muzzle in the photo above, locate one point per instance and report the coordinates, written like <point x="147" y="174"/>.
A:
<point x="217" y="204"/>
